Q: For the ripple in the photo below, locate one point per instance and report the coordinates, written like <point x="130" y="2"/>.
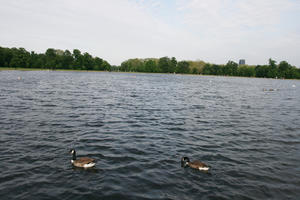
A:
<point x="138" y="127"/>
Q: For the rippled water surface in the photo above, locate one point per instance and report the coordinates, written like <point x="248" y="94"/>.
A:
<point x="138" y="126"/>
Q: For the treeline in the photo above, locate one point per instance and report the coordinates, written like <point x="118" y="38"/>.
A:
<point x="59" y="59"/>
<point x="231" y="68"/>
<point x="51" y="59"/>
<point x="162" y="65"/>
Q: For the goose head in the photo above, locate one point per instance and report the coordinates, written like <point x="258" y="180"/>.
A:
<point x="185" y="161"/>
<point x="73" y="152"/>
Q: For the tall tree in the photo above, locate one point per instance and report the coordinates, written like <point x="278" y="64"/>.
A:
<point x="163" y="64"/>
<point x="50" y="58"/>
<point x="78" y="60"/>
<point x="150" y="66"/>
<point x="88" y="62"/>
<point x="183" y="67"/>
<point x="20" y="58"/>
<point x="172" y="65"/>
<point x="246" y="71"/>
<point x="98" y="64"/>
<point x="230" y="68"/>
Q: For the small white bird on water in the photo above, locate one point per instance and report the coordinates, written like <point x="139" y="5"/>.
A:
<point x="83" y="162"/>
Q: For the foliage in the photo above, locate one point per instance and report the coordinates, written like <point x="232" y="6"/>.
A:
<point x="59" y="59"/>
<point x="183" y="67"/>
<point x="164" y="64"/>
<point x="196" y="67"/>
<point x="51" y="59"/>
<point x="246" y="71"/>
<point x="231" y="68"/>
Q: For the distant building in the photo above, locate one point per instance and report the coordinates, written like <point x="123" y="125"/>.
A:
<point x="242" y="62"/>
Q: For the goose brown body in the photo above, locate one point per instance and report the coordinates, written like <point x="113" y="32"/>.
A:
<point x="84" y="162"/>
<point x="196" y="164"/>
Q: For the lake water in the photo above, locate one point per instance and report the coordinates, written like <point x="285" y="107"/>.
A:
<point x="138" y="126"/>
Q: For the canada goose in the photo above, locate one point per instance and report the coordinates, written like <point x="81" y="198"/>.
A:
<point x="271" y="89"/>
<point x="196" y="164"/>
<point x="82" y="162"/>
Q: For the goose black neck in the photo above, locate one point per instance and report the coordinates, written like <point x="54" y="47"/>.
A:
<point x="74" y="156"/>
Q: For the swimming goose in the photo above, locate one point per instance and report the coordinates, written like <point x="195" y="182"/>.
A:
<point x="82" y="162"/>
<point x="196" y="164"/>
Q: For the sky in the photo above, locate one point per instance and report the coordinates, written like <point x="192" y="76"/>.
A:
<point x="214" y="31"/>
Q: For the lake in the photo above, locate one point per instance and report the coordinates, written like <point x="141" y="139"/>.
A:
<point x="138" y="126"/>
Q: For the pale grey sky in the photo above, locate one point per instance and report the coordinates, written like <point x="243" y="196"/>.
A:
<point x="214" y="31"/>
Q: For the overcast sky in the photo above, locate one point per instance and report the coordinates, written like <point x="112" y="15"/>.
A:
<point x="211" y="30"/>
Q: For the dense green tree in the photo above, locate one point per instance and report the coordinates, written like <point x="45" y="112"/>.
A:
<point x="272" y="63"/>
<point x="292" y="73"/>
<point x="230" y="68"/>
<point x="272" y="73"/>
<point x="261" y="71"/>
<point x="78" y="59"/>
<point x="196" y="67"/>
<point x="183" y="67"/>
<point x="20" y="58"/>
<point x="246" y="71"/>
<point x="67" y="59"/>
<point x="38" y="61"/>
<point x="273" y="70"/>
<point x="207" y="69"/>
<point x="98" y="64"/>
<point x="216" y="69"/>
<point x="50" y="58"/>
<point x="2" y="56"/>
<point x="5" y="57"/>
<point x="163" y="64"/>
<point x="59" y="59"/>
<point x="87" y="61"/>
<point x="140" y="65"/>
<point x="284" y="69"/>
<point x="135" y="65"/>
<point x="106" y="66"/>
<point x="195" y="71"/>
<point x="50" y="53"/>
<point x="172" y="65"/>
<point x="124" y="66"/>
<point x="150" y="66"/>
<point x="283" y="66"/>
<point x="32" y="59"/>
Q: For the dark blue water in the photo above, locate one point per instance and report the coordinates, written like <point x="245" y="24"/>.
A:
<point x="138" y="126"/>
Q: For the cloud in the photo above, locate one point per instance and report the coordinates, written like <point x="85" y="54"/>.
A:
<point x="253" y="29"/>
<point x="214" y="31"/>
<point x="231" y="13"/>
<point x="115" y="30"/>
<point x="149" y="4"/>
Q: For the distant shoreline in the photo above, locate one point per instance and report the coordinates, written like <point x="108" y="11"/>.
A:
<point x="65" y="60"/>
<point x="74" y="70"/>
